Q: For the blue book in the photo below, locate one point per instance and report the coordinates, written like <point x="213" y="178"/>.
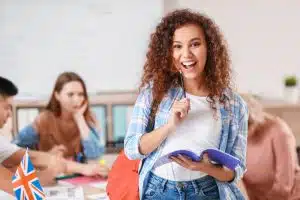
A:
<point x="215" y="155"/>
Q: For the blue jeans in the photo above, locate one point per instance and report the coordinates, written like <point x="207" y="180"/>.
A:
<point x="158" y="188"/>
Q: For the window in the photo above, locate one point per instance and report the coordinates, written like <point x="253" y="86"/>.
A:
<point x="121" y="117"/>
<point x="100" y="111"/>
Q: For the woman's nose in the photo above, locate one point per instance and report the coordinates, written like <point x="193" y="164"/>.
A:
<point x="186" y="52"/>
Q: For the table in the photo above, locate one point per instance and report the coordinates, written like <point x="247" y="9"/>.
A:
<point x="88" y="188"/>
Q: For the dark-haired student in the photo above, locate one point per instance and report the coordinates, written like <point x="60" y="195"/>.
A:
<point x="48" y="165"/>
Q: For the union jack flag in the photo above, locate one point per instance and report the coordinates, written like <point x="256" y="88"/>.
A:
<point x="26" y="183"/>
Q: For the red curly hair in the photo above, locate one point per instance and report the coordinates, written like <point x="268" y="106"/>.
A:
<point x="159" y="68"/>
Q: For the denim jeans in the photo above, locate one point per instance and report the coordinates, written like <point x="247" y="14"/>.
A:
<point x="158" y="188"/>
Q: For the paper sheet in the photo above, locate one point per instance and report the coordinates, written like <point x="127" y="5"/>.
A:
<point x="64" y="193"/>
<point x="98" y="197"/>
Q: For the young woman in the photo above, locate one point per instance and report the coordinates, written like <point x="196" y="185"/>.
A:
<point x="272" y="164"/>
<point x="48" y="165"/>
<point x="67" y="125"/>
<point x="186" y="102"/>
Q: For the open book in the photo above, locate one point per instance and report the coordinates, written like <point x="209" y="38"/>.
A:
<point x="215" y="155"/>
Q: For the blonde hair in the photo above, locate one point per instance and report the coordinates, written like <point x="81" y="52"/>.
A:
<point x="256" y="111"/>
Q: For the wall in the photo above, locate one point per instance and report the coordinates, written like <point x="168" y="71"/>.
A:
<point x="263" y="37"/>
<point x="105" y="41"/>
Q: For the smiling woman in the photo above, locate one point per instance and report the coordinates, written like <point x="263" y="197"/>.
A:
<point x="186" y="101"/>
<point x="189" y="50"/>
<point x="67" y="125"/>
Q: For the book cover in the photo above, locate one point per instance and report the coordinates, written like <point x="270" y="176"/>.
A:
<point x="215" y="155"/>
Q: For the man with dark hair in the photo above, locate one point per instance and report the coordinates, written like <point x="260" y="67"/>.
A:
<point x="10" y="154"/>
<point x="7" y="91"/>
<point x="50" y="165"/>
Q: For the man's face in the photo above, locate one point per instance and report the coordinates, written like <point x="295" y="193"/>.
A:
<point x="5" y="109"/>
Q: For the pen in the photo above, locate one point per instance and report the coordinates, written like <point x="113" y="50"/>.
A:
<point x="182" y="84"/>
<point x="67" y="176"/>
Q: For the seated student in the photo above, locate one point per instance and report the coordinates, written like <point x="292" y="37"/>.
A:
<point x="49" y="165"/>
<point x="272" y="166"/>
<point x="67" y="122"/>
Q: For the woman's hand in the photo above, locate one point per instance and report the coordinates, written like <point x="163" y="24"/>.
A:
<point x="191" y="165"/>
<point x="219" y="172"/>
<point x="81" y="122"/>
<point x="79" y="113"/>
<point x="95" y="169"/>
<point x="58" y="150"/>
<point x="56" y="166"/>
<point x="179" y="112"/>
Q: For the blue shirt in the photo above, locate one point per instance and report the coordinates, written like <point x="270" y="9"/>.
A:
<point x="92" y="149"/>
<point x="233" y="135"/>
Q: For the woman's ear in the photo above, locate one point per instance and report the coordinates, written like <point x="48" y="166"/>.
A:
<point x="56" y="95"/>
<point x="174" y="68"/>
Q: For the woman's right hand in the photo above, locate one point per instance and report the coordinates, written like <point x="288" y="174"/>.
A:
<point x="55" y="167"/>
<point x="179" y="111"/>
<point x="58" y="150"/>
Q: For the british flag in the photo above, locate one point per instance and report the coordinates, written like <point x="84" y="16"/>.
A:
<point x="26" y="183"/>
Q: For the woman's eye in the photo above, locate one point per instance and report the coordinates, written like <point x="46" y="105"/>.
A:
<point x="196" y="44"/>
<point x="176" y="46"/>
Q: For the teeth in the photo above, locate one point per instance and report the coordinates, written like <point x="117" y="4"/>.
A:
<point x="188" y="63"/>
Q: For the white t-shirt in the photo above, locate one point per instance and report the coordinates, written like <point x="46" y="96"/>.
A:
<point x="200" y="130"/>
<point x="6" y="148"/>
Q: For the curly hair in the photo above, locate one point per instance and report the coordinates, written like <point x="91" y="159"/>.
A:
<point x="159" y="68"/>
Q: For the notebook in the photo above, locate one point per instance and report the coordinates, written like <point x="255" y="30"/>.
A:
<point x="215" y="155"/>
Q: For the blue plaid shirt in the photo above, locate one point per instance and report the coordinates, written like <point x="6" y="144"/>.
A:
<point x="233" y="135"/>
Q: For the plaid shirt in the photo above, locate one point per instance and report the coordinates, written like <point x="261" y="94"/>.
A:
<point x="233" y="135"/>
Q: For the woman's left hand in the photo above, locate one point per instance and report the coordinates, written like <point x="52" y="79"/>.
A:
<point x="95" y="169"/>
<point x="205" y="165"/>
<point x="192" y="165"/>
<point x="81" y="110"/>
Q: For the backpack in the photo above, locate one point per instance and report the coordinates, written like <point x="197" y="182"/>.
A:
<point x="123" y="178"/>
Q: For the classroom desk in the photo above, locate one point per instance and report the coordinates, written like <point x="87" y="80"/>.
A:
<point x="88" y="188"/>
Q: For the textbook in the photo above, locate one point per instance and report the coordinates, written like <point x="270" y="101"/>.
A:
<point x="215" y="155"/>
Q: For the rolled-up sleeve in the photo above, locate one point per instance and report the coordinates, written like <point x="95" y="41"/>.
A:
<point x="239" y="148"/>
<point x="138" y="125"/>
<point x="27" y="137"/>
<point x="92" y="147"/>
<point x="284" y="145"/>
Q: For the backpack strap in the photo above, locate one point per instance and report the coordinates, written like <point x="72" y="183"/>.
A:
<point x="150" y="127"/>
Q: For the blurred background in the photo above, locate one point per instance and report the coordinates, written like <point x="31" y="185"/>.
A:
<point x="105" y="41"/>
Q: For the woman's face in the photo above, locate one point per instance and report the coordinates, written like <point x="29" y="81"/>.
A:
<point x="189" y="51"/>
<point x="71" y="97"/>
